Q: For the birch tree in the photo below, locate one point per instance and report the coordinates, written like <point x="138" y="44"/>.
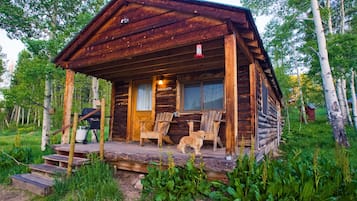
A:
<point x="333" y="107"/>
<point x="354" y="100"/>
<point x="47" y="20"/>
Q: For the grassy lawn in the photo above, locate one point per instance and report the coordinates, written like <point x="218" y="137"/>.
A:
<point x="316" y="136"/>
<point x="303" y="146"/>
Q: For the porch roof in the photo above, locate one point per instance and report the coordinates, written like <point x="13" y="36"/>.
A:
<point x="141" y="38"/>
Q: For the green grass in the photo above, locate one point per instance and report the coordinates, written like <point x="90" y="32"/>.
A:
<point x="91" y="182"/>
<point x="316" y="135"/>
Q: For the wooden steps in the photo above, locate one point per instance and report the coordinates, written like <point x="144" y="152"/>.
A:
<point x="37" y="184"/>
<point x="62" y="160"/>
<point x="40" y="181"/>
<point x="47" y="170"/>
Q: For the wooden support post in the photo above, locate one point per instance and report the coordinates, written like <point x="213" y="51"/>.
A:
<point x="67" y="107"/>
<point x="253" y="102"/>
<point x="102" y="124"/>
<point x="72" y="145"/>
<point x="112" y="109"/>
<point x="230" y="49"/>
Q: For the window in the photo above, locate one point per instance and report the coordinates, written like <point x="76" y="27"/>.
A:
<point x="203" y="96"/>
<point x="265" y="99"/>
<point x="144" y="99"/>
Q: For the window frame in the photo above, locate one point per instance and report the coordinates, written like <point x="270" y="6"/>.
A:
<point x="265" y="99"/>
<point x="201" y="84"/>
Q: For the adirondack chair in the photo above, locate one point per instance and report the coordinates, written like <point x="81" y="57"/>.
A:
<point x="160" y="129"/>
<point x="210" y="122"/>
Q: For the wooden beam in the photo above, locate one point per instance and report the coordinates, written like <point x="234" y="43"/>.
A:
<point x="256" y="50"/>
<point x="102" y="125"/>
<point x="247" y="35"/>
<point x="72" y="145"/>
<point x="253" y="99"/>
<point x="112" y="111"/>
<point x="67" y="105"/>
<point x="230" y="46"/>
<point x="129" y="124"/>
<point x="259" y="56"/>
<point x="253" y="43"/>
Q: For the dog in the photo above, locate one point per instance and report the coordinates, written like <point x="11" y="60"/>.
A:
<point x="195" y="140"/>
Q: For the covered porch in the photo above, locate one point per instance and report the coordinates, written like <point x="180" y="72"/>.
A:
<point x="132" y="157"/>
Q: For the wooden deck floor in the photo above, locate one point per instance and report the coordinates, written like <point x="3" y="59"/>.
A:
<point x="133" y="157"/>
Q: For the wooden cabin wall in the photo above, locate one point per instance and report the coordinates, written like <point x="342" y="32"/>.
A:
<point x="120" y="111"/>
<point x="166" y="102"/>
<point x="245" y="130"/>
<point x="267" y="133"/>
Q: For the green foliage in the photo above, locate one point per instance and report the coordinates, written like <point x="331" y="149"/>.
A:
<point x="312" y="167"/>
<point x="175" y="183"/>
<point x="9" y="160"/>
<point x="92" y="182"/>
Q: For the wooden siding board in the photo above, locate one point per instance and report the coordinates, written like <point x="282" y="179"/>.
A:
<point x="147" y="47"/>
<point x="211" y="12"/>
<point x="88" y="31"/>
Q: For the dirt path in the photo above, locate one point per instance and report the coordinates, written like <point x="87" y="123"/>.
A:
<point x="128" y="183"/>
<point x="7" y="193"/>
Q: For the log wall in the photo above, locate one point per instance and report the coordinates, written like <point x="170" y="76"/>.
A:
<point x="121" y="98"/>
<point x="267" y="132"/>
<point x="245" y="130"/>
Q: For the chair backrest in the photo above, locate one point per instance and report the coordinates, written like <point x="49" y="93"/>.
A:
<point x="163" y="117"/>
<point x="207" y="120"/>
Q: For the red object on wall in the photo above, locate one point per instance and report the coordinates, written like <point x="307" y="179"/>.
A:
<point x="199" y="53"/>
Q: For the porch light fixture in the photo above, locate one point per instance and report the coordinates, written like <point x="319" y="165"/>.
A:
<point x="160" y="80"/>
<point x="199" y="53"/>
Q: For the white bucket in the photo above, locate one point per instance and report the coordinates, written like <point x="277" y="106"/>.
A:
<point x="81" y="134"/>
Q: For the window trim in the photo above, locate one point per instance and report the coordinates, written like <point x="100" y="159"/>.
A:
<point x="201" y="83"/>
<point x="265" y="99"/>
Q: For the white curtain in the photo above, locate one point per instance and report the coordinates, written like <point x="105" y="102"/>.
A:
<point x="192" y="97"/>
<point x="213" y="96"/>
<point x="144" y="100"/>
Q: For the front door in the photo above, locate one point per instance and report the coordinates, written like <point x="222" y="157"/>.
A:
<point x="142" y="106"/>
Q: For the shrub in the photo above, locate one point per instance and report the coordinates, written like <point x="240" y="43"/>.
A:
<point x="90" y="182"/>
<point x="175" y="183"/>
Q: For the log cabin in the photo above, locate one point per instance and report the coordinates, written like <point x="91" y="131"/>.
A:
<point x="184" y="57"/>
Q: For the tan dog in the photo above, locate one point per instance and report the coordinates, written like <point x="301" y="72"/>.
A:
<point x="195" y="140"/>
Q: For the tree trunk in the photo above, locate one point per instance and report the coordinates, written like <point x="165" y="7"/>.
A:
<point x="18" y="114"/>
<point x="354" y="101"/>
<point x="332" y="105"/>
<point x="342" y="22"/>
<point x="95" y="99"/>
<point x="347" y="108"/>
<point x="28" y="116"/>
<point x="341" y="101"/>
<point x="22" y="116"/>
<point x="46" y="115"/>
<point x="302" y="110"/>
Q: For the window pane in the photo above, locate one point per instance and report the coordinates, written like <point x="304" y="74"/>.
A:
<point x="143" y="102"/>
<point x="213" y="96"/>
<point x="265" y="98"/>
<point x="192" y="97"/>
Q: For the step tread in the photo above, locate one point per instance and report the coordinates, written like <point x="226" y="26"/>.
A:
<point x="47" y="168"/>
<point x="63" y="158"/>
<point x="77" y="149"/>
<point x="34" y="183"/>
